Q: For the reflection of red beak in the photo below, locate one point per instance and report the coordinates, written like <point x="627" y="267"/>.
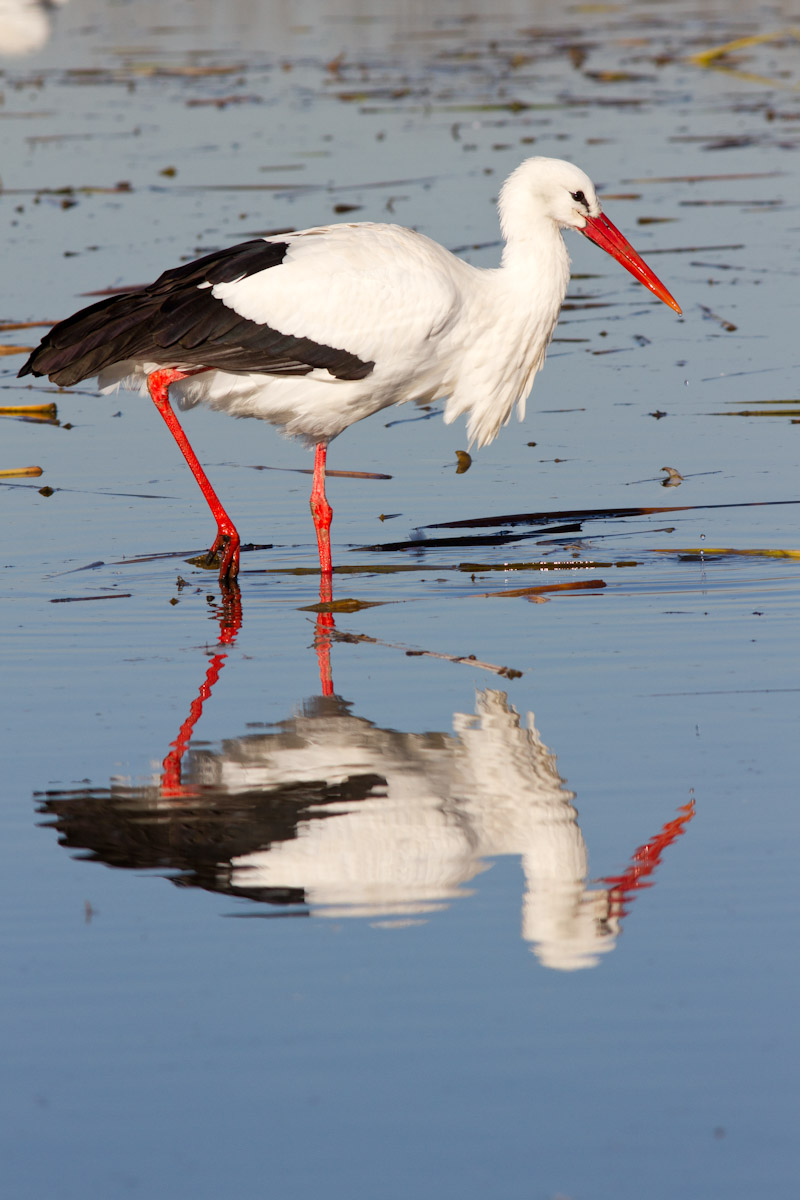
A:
<point x="605" y="234"/>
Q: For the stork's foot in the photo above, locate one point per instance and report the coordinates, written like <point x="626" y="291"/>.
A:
<point x="225" y="551"/>
<point x="222" y="556"/>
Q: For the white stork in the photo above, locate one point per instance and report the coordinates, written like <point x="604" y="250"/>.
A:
<point x="315" y="330"/>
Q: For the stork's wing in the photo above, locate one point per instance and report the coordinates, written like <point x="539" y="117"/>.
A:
<point x="330" y="298"/>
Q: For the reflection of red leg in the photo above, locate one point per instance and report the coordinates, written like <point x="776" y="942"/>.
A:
<point x="230" y="617"/>
<point x="322" y="635"/>
<point x="621" y="888"/>
<point x="230" y="620"/>
<point x="227" y="541"/>
<point x="321" y="511"/>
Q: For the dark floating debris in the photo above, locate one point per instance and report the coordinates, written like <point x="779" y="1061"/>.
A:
<point x="674" y="478"/>
<point x="763" y="412"/>
<point x="710" y="315"/>
<point x="468" y="660"/>
<point x="346" y="605"/>
<point x="595" y="514"/>
<point x="532" y="593"/>
<point x="308" y="471"/>
<point x="79" y="599"/>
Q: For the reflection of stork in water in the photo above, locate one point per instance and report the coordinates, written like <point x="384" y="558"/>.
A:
<point x="328" y="811"/>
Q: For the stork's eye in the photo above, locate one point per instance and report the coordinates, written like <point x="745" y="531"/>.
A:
<point x="579" y="198"/>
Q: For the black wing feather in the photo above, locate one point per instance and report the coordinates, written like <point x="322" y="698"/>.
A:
<point x="176" y="321"/>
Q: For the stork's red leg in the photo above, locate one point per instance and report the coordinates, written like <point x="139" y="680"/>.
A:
<point x="227" y="541"/>
<point x="321" y="511"/>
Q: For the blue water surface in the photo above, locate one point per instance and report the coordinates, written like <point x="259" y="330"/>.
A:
<point x="291" y="911"/>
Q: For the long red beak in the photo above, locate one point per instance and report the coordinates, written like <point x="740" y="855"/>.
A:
<point x="605" y="234"/>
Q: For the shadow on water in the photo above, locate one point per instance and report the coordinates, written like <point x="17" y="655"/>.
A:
<point x="325" y="814"/>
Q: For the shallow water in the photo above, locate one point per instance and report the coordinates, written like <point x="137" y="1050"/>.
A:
<point x="521" y="924"/>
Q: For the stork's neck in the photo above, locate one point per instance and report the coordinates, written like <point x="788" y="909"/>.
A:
<point x="526" y="235"/>
<point x="535" y="259"/>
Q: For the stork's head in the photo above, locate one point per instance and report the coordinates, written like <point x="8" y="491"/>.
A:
<point x="550" y="190"/>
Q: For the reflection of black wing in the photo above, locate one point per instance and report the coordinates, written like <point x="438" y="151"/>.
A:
<point x="199" y="834"/>
<point x="177" y="321"/>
